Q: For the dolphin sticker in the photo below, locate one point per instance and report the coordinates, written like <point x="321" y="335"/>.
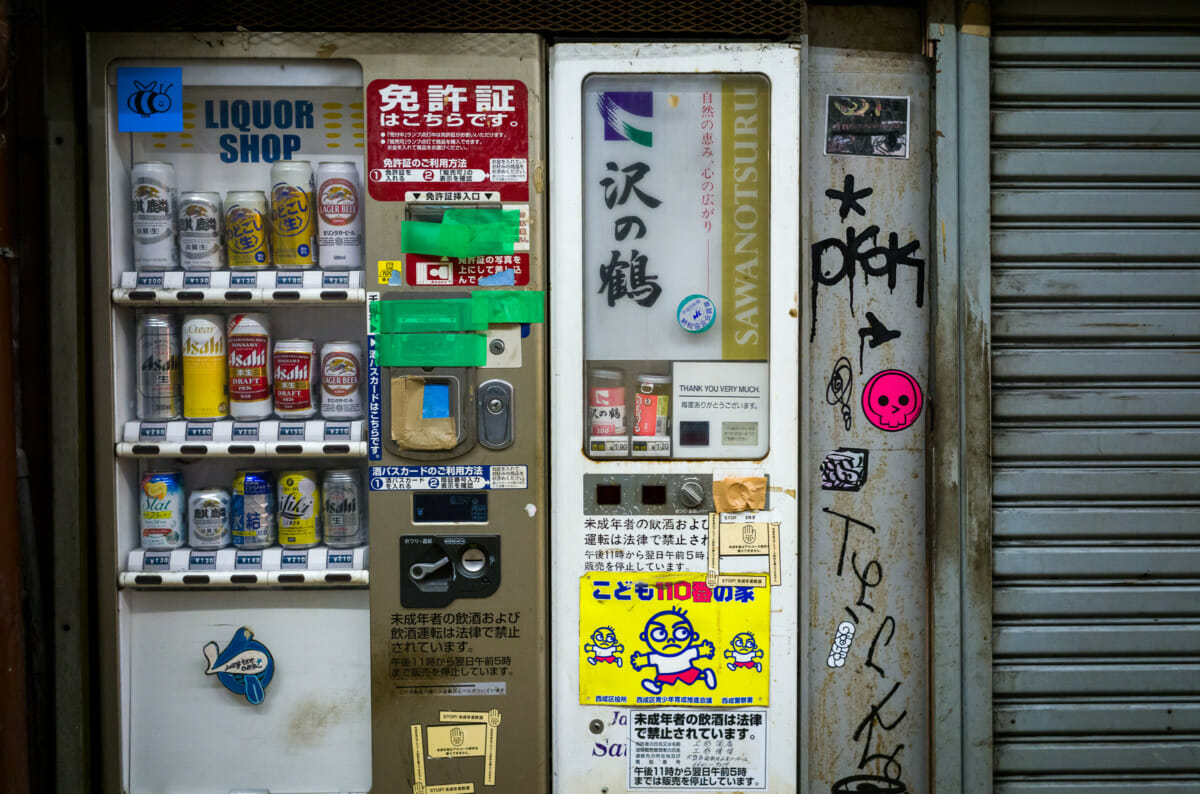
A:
<point x="245" y="667"/>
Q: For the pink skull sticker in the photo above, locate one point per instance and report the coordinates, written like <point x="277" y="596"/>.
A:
<point x="892" y="400"/>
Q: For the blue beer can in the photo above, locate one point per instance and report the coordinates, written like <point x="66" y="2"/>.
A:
<point x="253" y="509"/>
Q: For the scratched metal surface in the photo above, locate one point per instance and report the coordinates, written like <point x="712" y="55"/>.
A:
<point x="1096" y="397"/>
<point x="867" y="278"/>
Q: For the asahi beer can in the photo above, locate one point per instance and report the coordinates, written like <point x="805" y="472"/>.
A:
<point x="208" y="518"/>
<point x="297" y="378"/>
<point x="160" y="384"/>
<point x="247" y="239"/>
<point x="651" y="406"/>
<point x="341" y="371"/>
<point x="252" y="512"/>
<point x="204" y="367"/>
<point x="249" y="366"/>
<point x="345" y="508"/>
<point x="200" y="222"/>
<point x="606" y="403"/>
<point x="339" y="216"/>
<point x="299" y="509"/>
<point x="153" y="211"/>
<point x="163" y="523"/>
<point x="293" y="214"/>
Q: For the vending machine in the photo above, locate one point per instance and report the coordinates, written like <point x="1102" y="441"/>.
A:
<point x="675" y="175"/>
<point x="317" y="287"/>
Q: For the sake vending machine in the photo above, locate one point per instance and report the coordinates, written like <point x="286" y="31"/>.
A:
<point x="675" y="182"/>
<point x="259" y="430"/>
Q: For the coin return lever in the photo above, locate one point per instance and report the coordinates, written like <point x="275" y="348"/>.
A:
<point x="437" y="570"/>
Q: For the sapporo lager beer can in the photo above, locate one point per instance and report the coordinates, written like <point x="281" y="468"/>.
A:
<point x="341" y="371"/>
<point x="252" y="510"/>
<point x="200" y="222"/>
<point x="345" y="508"/>
<point x="299" y="509"/>
<point x="293" y="214"/>
<point x="249" y="366"/>
<point x="163" y="523"/>
<point x="153" y="211"/>
<point x="339" y="216"/>
<point x="208" y="518"/>
<point x="204" y="367"/>
<point x="297" y="378"/>
<point x="159" y="386"/>
<point x="247" y="239"/>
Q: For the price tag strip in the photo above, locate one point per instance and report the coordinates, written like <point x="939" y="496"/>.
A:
<point x="742" y="535"/>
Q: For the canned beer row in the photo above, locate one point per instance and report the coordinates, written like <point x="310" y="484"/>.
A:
<point x="219" y="367"/>
<point x="294" y="510"/>
<point x="307" y="222"/>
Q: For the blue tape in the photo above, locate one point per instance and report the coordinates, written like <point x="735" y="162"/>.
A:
<point x="436" y="401"/>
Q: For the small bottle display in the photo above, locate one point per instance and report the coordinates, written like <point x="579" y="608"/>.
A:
<point x="651" y="406"/>
<point x="339" y="216"/>
<point x="252" y="511"/>
<point x="297" y="379"/>
<point x="246" y="230"/>
<point x="299" y="509"/>
<point x="208" y="519"/>
<point x="341" y="369"/>
<point x="201" y="220"/>
<point x="160" y="379"/>
<point x="344" y="507"/>
<point x="293" y="214"/>
<point x="250" y="366"/>
<point x="153" y="210"/>
<point x="607" y="403"/>
<point x="163" y="524"/>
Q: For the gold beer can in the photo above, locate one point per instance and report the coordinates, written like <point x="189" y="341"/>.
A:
<point x="246" y="237"/>
<point x="299" y="509"/>
<point x="205" y="373"/>
<point x="293" y="214"/>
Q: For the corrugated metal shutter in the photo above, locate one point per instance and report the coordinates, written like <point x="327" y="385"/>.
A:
<point x="1096" y="396"/>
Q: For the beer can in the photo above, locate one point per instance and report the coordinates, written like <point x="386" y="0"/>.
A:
<point x="160" y="385"/>
<point x="249" y="366"/>
<point x="297" y="378"/>
<point x="651" y="406"/>
<point x="200" y="224"/>
<point x="344" y="507"/>
<point x="204" y="367"/>
<point x="252" y="512"/>
<point x="341" y="371"/>
<point x="606" y="403"/>
<point x="339" y="216"/>
<point x="293" y="214"/>
<point x="246" y="234"/>
<point x="163" y="523"/>
<point x="208" y="518"/>
<point x="299" y="509"/>
<point x="153" y="211"/>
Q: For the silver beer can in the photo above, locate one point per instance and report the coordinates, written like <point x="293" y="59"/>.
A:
<point x="293" y="214"/>
<point x="208" y="518"/>
<point x="339" y="216"/>
<point x="345" y="508"/>
<point x="152" y="208"/>
<point x="297" y="378"/>
<point x="341" y="374"/>
<point x="160" y="381"/>
<point x="201" y="221"/>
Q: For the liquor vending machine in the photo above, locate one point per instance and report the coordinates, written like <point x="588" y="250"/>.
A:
<point x="675" y="176"/>
<point x="317" y="279"/>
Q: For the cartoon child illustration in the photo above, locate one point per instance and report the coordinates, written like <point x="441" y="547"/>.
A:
<point x="670" y="637"/>
<point x="745" y="652"/>
<point x="604" y="647"/>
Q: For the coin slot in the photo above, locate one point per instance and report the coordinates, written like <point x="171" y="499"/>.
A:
<point x="608" y="494"/>
<point x="473" y="560"/>
<point x="238" y="295"/>
<point x="654" y="494"/>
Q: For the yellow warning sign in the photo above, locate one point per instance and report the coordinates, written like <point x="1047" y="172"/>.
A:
<point x="456" y="741"/>
<point x="671" y="639"/>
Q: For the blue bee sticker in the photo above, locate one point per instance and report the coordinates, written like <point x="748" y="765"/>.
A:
<point x="149" y="99"/>
<point x="244" y="667"/>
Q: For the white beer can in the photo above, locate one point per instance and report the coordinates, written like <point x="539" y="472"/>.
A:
<point x="205" y="372"/>
<point x="297" y="379"/>
<point x="341" y="374"/>
<point x="339" y="214"/>
<point x="201" y="221"/>
<point x="293" y="214"/>
<point x="153" y="211"/>
<point x="249" y="366"/>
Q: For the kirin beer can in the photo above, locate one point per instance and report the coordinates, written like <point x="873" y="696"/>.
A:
<point x="345" y="509"/>
<point x="297" y="378"/>
<point x="299" y="509"/>
<point x="208" y="518"/>
<point x="204" y="367"/>
<point x="200" y="224"/>
<point x="163" y="523"/>
<point x="246" y="230"/>
<point x="159" y="387"/>
<point x="249" y="366"/>
<point x="339" y="216"/>
<point x="252" y="512"/>
<point x="293" y="214"/>
<point x="153" y="211"/>
<point x="341" y="371"/>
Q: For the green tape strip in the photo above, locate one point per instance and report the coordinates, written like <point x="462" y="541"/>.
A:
<point x="431" y="350"/>
<point x="478" y="216"/>
<point x="512" y="306"/>
<point x="463" y="232"/>
<point x="431" y="316"/>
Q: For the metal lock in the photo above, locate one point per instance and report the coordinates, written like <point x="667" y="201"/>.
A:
<point x="495" y="414"/>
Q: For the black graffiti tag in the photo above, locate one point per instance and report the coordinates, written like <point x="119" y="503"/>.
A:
<point x="840" y="389"/>
<point x="877" y="332"/>
<point x="849" y="197"/>
<point x="877" y="260"/>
